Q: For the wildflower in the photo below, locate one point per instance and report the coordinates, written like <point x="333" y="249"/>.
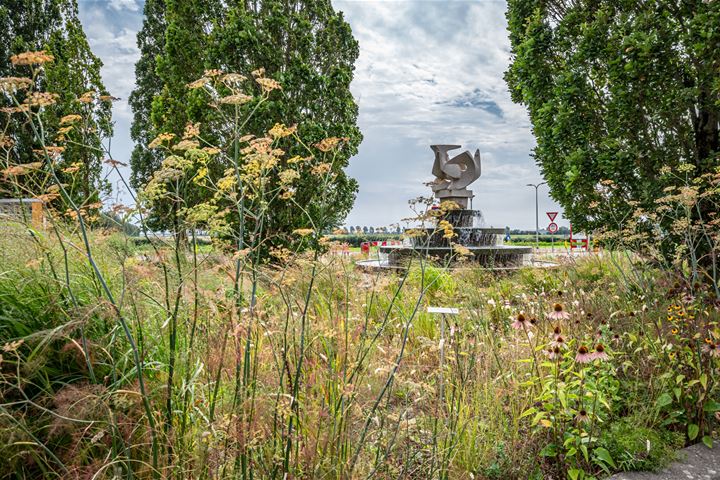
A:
<point x="327" y="144"/>
<point x="87" y="97"/>
<point x="41" y="99"/>
<point x="461" y="250"/>
<point x="712" y="350"/>
<point x="115" y="163"/>
<point x="520" y="322"/>
<point x="12" y="346"/>
<point x="32" y="58"/>
<point x="160" y="139"/>
<point x="321" y="169"/>
<point x="533" y="321"/>
<point x="237" y="99"/>
<point x="258" y="73"/>
<point x="674" y="331"/>
<point x="558" y="313"/>
<point x="554" y="353"/>
<point x="556" y="332"/>
<point x="233" y="78"/>
<point x="12" y="84"/>
<point x="199" y="83"/>
<point x="279" y="131"/>
<point x="559" y="342"/>
<point x="192" y="130"/>
<point x="108" y="98"/>
<point x="582" y="416"/>
<point x="600" y="353"/>
<point x="303" y="232"/>
<point x="287" y="177"/>
<point x="186" y="145"/>
<point x="268" y="84"/>
<point x="583" y="355"/>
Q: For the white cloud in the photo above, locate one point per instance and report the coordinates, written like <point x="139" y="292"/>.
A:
<point x="432" y="72"/>
<point x="131" y="5"/>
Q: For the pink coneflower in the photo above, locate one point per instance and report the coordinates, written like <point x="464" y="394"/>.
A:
<point x="600" y="353"/>
<point x="583" y="355"/>
<point x="559" y="342"/>
<point x="712" y="349"/>
<point x="554" y="353"/>
<point x="556" y="332"/>
<point x="582" y="416"/>
<point x="520" y="322"/>
<point x="558" y="313"/>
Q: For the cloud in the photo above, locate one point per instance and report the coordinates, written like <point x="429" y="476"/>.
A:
<point x="131" y="5"/>
<point x="432" y="72"/>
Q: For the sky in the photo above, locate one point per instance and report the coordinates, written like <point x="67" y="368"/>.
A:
<point x="429" y="72"/>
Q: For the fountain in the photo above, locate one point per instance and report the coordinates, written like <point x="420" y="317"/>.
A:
<point x="481" y="245"/>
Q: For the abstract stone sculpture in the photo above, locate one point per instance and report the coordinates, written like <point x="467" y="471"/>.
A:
<point x="453" y="175"/>
<point x="482" y="245"/>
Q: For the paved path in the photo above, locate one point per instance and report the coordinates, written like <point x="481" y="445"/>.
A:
<point x="694" y="463"/>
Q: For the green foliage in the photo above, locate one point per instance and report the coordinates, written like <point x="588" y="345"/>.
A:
<point x="616" y="91"/>
<point x="633" y="446"/>
<point x="306" y="46"/>
<point x="54" y="26"/>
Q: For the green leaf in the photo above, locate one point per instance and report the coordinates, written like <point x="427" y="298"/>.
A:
<point x="605" y="456"/>
<point x="574" y="473"/>
<point x="529" y="411"/>
<point x="584" y="449"/>
<point x="703" y="380"/>
<point x="550" y="450"/>
<point x="693" y="431"/>
<point x="664" y="400"/>
<point x="712" y="406"/>
<point x="708" y="441"/>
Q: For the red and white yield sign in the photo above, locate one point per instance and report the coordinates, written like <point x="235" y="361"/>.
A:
<point x="553" y="227"/>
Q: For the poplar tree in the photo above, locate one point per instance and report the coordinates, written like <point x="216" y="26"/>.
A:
<point x="54" y="26"/>
<point x="309" y="48"/>
<point x="616" y="92"/>
<point x="305" y="45"/>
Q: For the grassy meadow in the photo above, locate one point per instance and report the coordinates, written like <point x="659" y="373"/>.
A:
<point x="600" y="365"/>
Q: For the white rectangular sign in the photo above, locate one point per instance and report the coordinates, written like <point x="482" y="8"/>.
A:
<point x="449" y="311"/>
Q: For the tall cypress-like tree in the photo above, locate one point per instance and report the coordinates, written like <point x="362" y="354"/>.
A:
<point x="306" y="45"/>
<point x="617" y="90"/>
<point x="309" y="48"/>
<point x="173" y="44"/>
<point x="54" y="26"/>
<point x="151" y="42"/>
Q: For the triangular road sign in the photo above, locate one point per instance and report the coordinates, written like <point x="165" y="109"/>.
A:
<point x="552" y="215"/>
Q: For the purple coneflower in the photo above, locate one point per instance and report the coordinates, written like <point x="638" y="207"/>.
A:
<point x="582" y="416"/>
<point x="559" y="342"/>
<point x="554" y="353"/>
<point x="520" y="322"/>
<point x="712" y="349"/>
<point x="556" y="332"/>
<point x="558" y="313"/>
<point x="600" y="353"/>
<point x="583" y="355"/>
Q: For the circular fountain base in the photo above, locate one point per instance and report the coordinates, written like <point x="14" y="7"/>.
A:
<point x="488" y="256"/>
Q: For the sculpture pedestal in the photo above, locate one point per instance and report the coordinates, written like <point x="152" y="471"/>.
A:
<point x="461" y="197"/>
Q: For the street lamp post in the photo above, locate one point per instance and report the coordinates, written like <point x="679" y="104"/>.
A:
<point x="537" y="220"/>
